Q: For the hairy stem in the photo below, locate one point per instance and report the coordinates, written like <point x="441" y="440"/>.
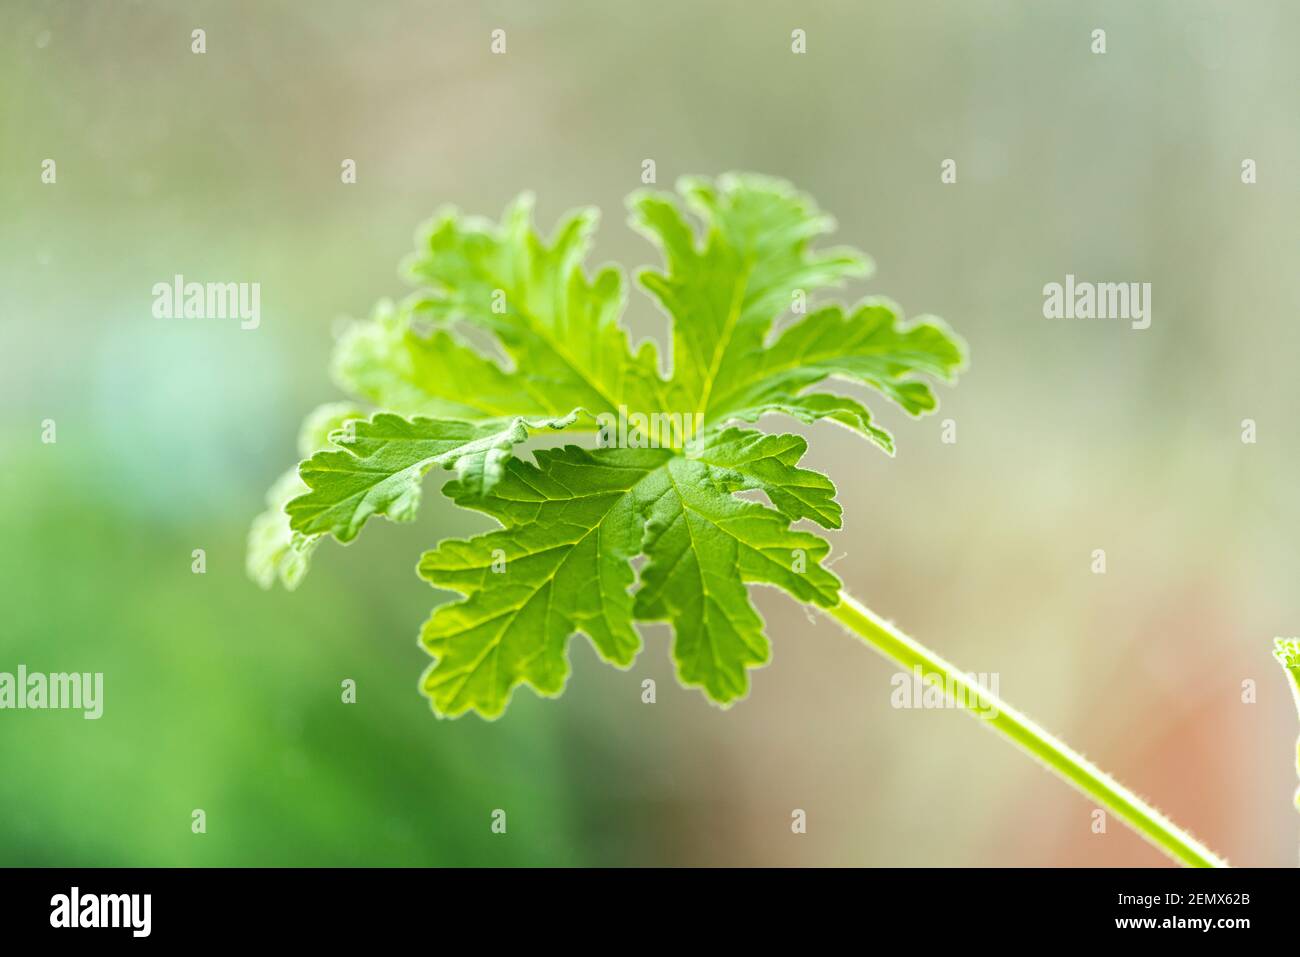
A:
<point x="1020" y="730"/>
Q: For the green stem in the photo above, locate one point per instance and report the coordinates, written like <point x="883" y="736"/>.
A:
<point x="1011" y="724"/>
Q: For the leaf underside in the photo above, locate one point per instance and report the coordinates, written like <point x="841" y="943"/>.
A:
<point x="508" y="338"/>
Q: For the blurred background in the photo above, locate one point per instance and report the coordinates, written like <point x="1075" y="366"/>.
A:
<point x="1072" y="436"/>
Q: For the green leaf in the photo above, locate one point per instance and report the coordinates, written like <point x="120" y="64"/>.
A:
<point x="724" y="290"/>
<point x="753" y="263"/>
<point x="1287" y="653"/>
<point x="561" y="565"/>
<point x="534" y="302"/>
<point x="393" y="363"/>
<point x="380" y="464"/>
<point x="560" y="328"/>
<point x="768" y="463"/>
<point x="509" y="337"/>
<point x="276" y="551"/>
<point x="703" y="545"/>
<point x="871" y="346"/>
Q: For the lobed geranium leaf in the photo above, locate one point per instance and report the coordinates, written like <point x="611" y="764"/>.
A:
<point x="703" y="545"/>
<point x="870" y="346"/>
<point x="381" y="462"/>
<point x="725" y="289"/>
<point x="508" y="337"/>
<point x="745" y="460"/>
<point x="561" y="565"/>
<point x="275" y="551"/>
<point x="561" y="329"/>
<point x="394" y="364"/>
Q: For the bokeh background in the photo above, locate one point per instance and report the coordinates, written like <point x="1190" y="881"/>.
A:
<point x="1072" y="436"/>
